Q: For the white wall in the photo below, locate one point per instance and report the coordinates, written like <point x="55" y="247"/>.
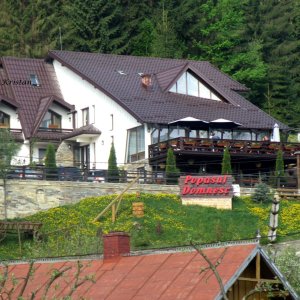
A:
<point x="66" y="119"/>
<point x="14" y="121"/>
<point x="82" y="94"/>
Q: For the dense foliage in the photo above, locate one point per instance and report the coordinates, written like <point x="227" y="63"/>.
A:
<point x="256" y="42"/>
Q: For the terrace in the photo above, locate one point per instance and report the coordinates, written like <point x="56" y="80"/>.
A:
<point x="247" y="157"/>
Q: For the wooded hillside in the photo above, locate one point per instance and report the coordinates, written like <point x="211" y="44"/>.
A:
<point x="257" y="42"/>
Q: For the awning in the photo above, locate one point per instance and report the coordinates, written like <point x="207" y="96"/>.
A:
<point x="223" y="123"/>
<point x="190" y="122"/>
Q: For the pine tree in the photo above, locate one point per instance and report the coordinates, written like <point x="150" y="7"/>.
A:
<point x="279" y="169"/>
<point x="50" y="162"/>
<point x="226" y="162"/>
<point x="113" y="170"/>
<point x="142" y="43"/>
<point x="280" y="23"/>
<point x="172" y="172"/>
<point x="165" y="42"/>
<point x="93" y="26"/>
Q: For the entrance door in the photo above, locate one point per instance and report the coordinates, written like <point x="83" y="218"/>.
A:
<point x="85" y="157"/>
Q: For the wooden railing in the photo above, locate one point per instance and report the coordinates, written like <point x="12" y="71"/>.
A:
<point x="217" y="146"/>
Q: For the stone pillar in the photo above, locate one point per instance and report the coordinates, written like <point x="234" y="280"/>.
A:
<point x="64" y="155"/>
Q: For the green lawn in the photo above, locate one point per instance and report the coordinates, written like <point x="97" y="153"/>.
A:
<point x="70" y="230"/>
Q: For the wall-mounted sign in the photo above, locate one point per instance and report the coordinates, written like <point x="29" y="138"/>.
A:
<point x="215" y="191"/>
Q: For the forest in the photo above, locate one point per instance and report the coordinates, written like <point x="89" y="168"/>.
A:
<point x="257" y="42"/>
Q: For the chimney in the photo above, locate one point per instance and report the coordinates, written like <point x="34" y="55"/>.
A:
<point x="146" y="80"/>
<point x="115" y="245"/>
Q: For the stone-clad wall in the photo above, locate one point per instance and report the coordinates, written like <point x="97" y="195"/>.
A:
<point x="26" y="197"/>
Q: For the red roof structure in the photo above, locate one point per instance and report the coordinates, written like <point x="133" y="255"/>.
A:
<point x="165" y="275"/>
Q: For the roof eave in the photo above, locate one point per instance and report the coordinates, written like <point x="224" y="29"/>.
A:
<point x="92" y="82"/>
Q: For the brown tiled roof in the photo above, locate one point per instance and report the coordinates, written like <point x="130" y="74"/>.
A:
<point x="154" y="105"/>
<point x="165" y="276"/>
<point x="28" y="97"/>
<point x="8" y="100"/>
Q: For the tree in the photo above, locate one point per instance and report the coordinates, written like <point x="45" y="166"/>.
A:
<point x="288" y="263"/>
<point x="213" y="267"/>
<point x="8" y="149"/>
<point x="50" y="162"/>
<point x="142" y="42"/>
<point x="226" y="162"/>
<point x="172" y="172"/>
<point x="262" y="193"/>
<point x="279" y="169"/>
<point x="113" y="170"/>
<point x="165" y="41"/>
<point x="93" y="26"/>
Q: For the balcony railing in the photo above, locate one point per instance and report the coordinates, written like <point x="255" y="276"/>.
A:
<point x="54" y="129"/>
<point x="236" y="147"/>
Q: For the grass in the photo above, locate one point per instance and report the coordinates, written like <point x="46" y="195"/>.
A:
<point x="70" y="230"/>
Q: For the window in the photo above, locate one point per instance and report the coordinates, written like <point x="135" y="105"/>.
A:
<point x="135" y="144"/>
<point x="51" y="120"/>
<point x="34" y="80"/>
<point x="188" y="84"/>
<point x="85" y="117"/>
<point x="42" y="155"/>
<point x="241" y="135"/>
<point x="4" y="120"/>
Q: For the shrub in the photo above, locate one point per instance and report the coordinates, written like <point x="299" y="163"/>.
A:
<point x="262" y="193"/>
<point x="172" y="172"/>
<point x="50" y="162"/>
<point x="226" y="162"/>
<point x="113" y="171"/>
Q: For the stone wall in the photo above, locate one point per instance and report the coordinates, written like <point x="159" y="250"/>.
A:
<point x="26" y="197"/>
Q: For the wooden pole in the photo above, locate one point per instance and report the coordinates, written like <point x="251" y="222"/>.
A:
<point x="258" y="266"/>
<point x="113" y="213"/>
<point x="115" y="200"/>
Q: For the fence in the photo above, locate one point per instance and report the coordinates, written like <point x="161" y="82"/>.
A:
<point x="145" y="177"/>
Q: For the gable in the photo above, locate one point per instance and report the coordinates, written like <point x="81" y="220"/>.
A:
<point x="189" y="84"/>
<point x="45" y="103"/>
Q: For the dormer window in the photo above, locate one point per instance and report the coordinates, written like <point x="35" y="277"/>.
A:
<point x="51" y="120"/>
<point x="34" y="80"/>
<point x="4" y="120"/>
<point x="188" y="84"/>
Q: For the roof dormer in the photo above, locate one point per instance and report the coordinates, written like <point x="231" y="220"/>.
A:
<point x="189" y="84"/>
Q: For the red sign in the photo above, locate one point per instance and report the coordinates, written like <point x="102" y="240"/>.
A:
<point x="214" y="186"/>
